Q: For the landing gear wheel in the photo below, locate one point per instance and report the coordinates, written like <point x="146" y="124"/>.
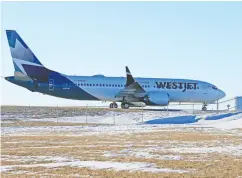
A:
<point x="113" y="105"/>
<point x="204" y="108"/>
<point x="125" y="106"/>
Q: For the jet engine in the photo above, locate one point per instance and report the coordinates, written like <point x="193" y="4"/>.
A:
<point x="157" y="98"/>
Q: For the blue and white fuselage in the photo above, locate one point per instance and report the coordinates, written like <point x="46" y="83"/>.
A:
<point x="31" y="74"/>
<point x="179" y="90"/>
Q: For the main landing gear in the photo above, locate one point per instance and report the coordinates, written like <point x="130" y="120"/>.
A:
<point x="204" y="108"/>
<point x="125" y="106"/>
<point x="113" y="105"/>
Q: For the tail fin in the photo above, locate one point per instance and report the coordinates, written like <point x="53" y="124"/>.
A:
<point x="20" y="52"/>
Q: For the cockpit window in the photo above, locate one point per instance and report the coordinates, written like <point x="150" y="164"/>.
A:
<point x="214" y="87"/>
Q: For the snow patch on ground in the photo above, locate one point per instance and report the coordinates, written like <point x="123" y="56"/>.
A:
<point x="118" y="166"/>
<point x="76" y="130"/>
<point x="128" y="126"/>
<point x="232" y="150"/>
<point x="231" y="122"/>
<point x="183" y="147"/>
<point x="131" y="121"/>
<point x="34" y="158"/>
<point x="141" y="153"/>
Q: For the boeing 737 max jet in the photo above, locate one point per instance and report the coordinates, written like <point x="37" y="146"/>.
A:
<point x="31" y="74"/>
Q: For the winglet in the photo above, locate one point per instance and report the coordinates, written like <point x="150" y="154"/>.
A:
<point x="130" y="79"/>
<point x="132" y="87"/>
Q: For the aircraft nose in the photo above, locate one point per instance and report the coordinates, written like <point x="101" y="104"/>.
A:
<point x="221" y="94"/>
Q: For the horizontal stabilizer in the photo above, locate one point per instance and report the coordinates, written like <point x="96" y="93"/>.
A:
<point x="21" y="76"/>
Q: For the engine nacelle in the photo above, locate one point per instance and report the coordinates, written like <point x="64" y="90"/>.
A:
<point x="158" y="98"/>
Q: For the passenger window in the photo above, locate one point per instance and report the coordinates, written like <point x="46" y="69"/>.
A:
<point x="106" y="85"/>
<point x="115" y="85"/>
<point x="103" y="85"/>
<point x="109" y="85"/>
<point x="87" y="84"/>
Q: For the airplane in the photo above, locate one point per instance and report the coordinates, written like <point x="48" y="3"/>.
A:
<point x="131" y="92"/>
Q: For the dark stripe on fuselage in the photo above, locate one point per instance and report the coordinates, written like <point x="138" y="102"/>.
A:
<point x="62" y="86"/>
<point x="36" y="72"/>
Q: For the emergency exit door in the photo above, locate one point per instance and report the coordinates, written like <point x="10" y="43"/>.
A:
<point x="51" y="84"/>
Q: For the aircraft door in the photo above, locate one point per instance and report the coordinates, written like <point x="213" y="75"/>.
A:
<point x="35" y="84"/>
<point x="205" y="88"/>
<point x="51" y="84"/>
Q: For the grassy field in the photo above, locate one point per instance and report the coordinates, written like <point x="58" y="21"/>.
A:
<point x="185" y="152"/>
<point x="16" y="150"/>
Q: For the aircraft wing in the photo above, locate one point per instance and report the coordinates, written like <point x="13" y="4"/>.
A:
<point x="132" y="88"/>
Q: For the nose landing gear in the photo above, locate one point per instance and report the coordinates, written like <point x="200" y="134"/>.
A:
<point x="204" y="108"/>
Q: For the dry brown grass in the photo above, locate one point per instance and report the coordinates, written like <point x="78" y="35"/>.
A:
<point x="14" y="108"/>
<point x="3" y="162"/>
<point x="84" y="172"/>
<point x="40" y="123"/>
<point x="183" y="136"/>
<point x="93" y="148"/>
<point x="222" y="168"/>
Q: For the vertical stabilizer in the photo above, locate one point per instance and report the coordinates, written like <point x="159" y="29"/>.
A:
<point x="20" y="52"/>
